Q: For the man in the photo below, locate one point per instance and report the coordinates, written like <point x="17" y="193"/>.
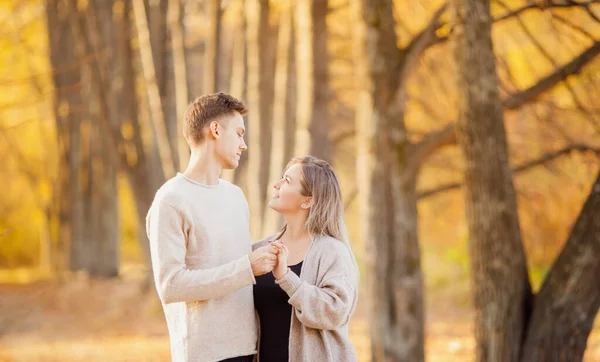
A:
<point x="199" y="232"/>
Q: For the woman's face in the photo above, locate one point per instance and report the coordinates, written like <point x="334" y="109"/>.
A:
<point x="287" y="194"/>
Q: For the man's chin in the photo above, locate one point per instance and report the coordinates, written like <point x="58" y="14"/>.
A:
<point x="231" y="165"/>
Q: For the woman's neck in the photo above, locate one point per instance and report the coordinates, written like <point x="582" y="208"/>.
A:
<point x="295" y="230"/>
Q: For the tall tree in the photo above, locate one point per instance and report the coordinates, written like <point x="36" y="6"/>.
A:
<point x="313" y="118"/>
<point x="103" y="207"/>
<point x="259" y="42"/>
<point x="499" y="276"/>
<point x="152" y="84"/>
<point x="100" y="239"/>
<point x="384" y="152"/>
<point x="272" y="220"/>
<point x="212" y="44"/>
<point x="565" y="307"/>
<point x="511" y="325"/>
<point x="387" y="188"/>
<point x="175" y="19"/>
<point x="67" y="110"/>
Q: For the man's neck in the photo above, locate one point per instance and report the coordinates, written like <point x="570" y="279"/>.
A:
<point x="203" y="168"/>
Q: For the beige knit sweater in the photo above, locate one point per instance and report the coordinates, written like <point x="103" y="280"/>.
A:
<point x="323" y="298"/>
<point x="199" y="243"/>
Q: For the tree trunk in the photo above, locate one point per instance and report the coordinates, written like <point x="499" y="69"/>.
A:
<point x="134" y="158"/>
<point x="104" y="209"/>
<point x="272" y="219"/>
<point x="500" y="282"/>
<point x="67" y="108"/>
<point x="290" y="115"/>
<point x="154" y="96"/>
<point x="97" y="251"/>
<point x="211" y="47"/>
<point x="387" y="189"/>
<point x="260" y="95"/>
<point x="175" y="19"/>
<point x="237" y="85"/>
<point x="313" y="118"/>
<point x="565" y="308"/>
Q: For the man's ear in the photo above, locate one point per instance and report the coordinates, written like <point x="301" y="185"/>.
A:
<point x="214" y="129"/>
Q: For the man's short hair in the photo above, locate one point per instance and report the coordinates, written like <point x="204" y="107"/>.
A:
<point x="208" y="108"/>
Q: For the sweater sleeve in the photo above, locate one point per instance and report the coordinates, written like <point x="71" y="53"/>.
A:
<point x="174" y="281"/>
<point x="326" y="306"/>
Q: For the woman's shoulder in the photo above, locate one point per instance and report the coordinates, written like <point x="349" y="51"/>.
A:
<point x="332" y="249"/>
<point x="327" y="242"/>
<point x="334" y="256"/>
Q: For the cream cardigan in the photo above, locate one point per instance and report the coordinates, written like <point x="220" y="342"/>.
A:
<point x="323" y="298"/>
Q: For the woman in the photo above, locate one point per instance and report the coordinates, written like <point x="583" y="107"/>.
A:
<point x="305" y="304"/>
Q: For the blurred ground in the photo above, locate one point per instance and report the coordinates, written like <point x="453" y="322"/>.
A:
<point x="99" y="320"/>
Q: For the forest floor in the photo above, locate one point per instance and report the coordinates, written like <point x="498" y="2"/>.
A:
<point x="112" y="320"/>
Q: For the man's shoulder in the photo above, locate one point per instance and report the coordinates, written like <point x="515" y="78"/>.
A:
<point x="231" y="186"/>
<point x="171" y="192"/>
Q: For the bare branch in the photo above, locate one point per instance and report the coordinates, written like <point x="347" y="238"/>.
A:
<point x="573" y="67"/>
<point x="426" y="38"/>
<point x="523" y="9"/>
<point x="590" y="12"/>
<point x="434" y="141"/>
<point x="524" y="167"/>
<point x="539" y="6"/>
<point x="573" y="26"/>
<point x="444" y="137"/>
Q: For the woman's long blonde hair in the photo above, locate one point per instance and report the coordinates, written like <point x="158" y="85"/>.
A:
<point x="326" y="215"/>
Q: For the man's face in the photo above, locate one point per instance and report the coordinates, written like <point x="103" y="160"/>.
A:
<point x="230" y="144"/>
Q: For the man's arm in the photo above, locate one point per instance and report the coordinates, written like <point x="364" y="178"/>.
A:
<point x="174" y="281"/>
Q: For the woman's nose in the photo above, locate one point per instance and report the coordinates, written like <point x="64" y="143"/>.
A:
<point x="276" y="185"/>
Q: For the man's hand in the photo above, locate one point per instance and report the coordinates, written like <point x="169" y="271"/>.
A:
<point x="263" y="259"/>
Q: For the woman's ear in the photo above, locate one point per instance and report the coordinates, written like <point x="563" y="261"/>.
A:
<point x="307" y="204"/>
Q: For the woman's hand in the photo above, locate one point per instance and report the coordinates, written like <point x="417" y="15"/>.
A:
<point x="281" y="267"/>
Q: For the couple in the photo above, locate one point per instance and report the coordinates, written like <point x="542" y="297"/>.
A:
<point x="288" y="297"/>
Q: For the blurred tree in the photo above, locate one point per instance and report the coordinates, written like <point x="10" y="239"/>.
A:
<point x="182" y="97"/>
<point x="386" y="178"/>
<point x="313" y="95"/>
<point x="501" y="289"/>
<point x="273" y="220"/>
<point x="212" y="51"/>
<point x="389" y="163"/>
<point x="506" y="329"/>
<point x="153" y="66"/>
<point x="68" y="105"/>
<point x="238" y="79"/>
<point x="260" y="48"/>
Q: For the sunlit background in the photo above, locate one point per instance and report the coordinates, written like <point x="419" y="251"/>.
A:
<point x="83" y="98"/>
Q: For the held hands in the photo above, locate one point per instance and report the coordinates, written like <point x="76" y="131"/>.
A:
<point x="281" y="267"/>
<point x="271" y="257"/>
<point x="263" y="259"/>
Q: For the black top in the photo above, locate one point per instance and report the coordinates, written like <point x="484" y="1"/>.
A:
<point x="275" y="314"/>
